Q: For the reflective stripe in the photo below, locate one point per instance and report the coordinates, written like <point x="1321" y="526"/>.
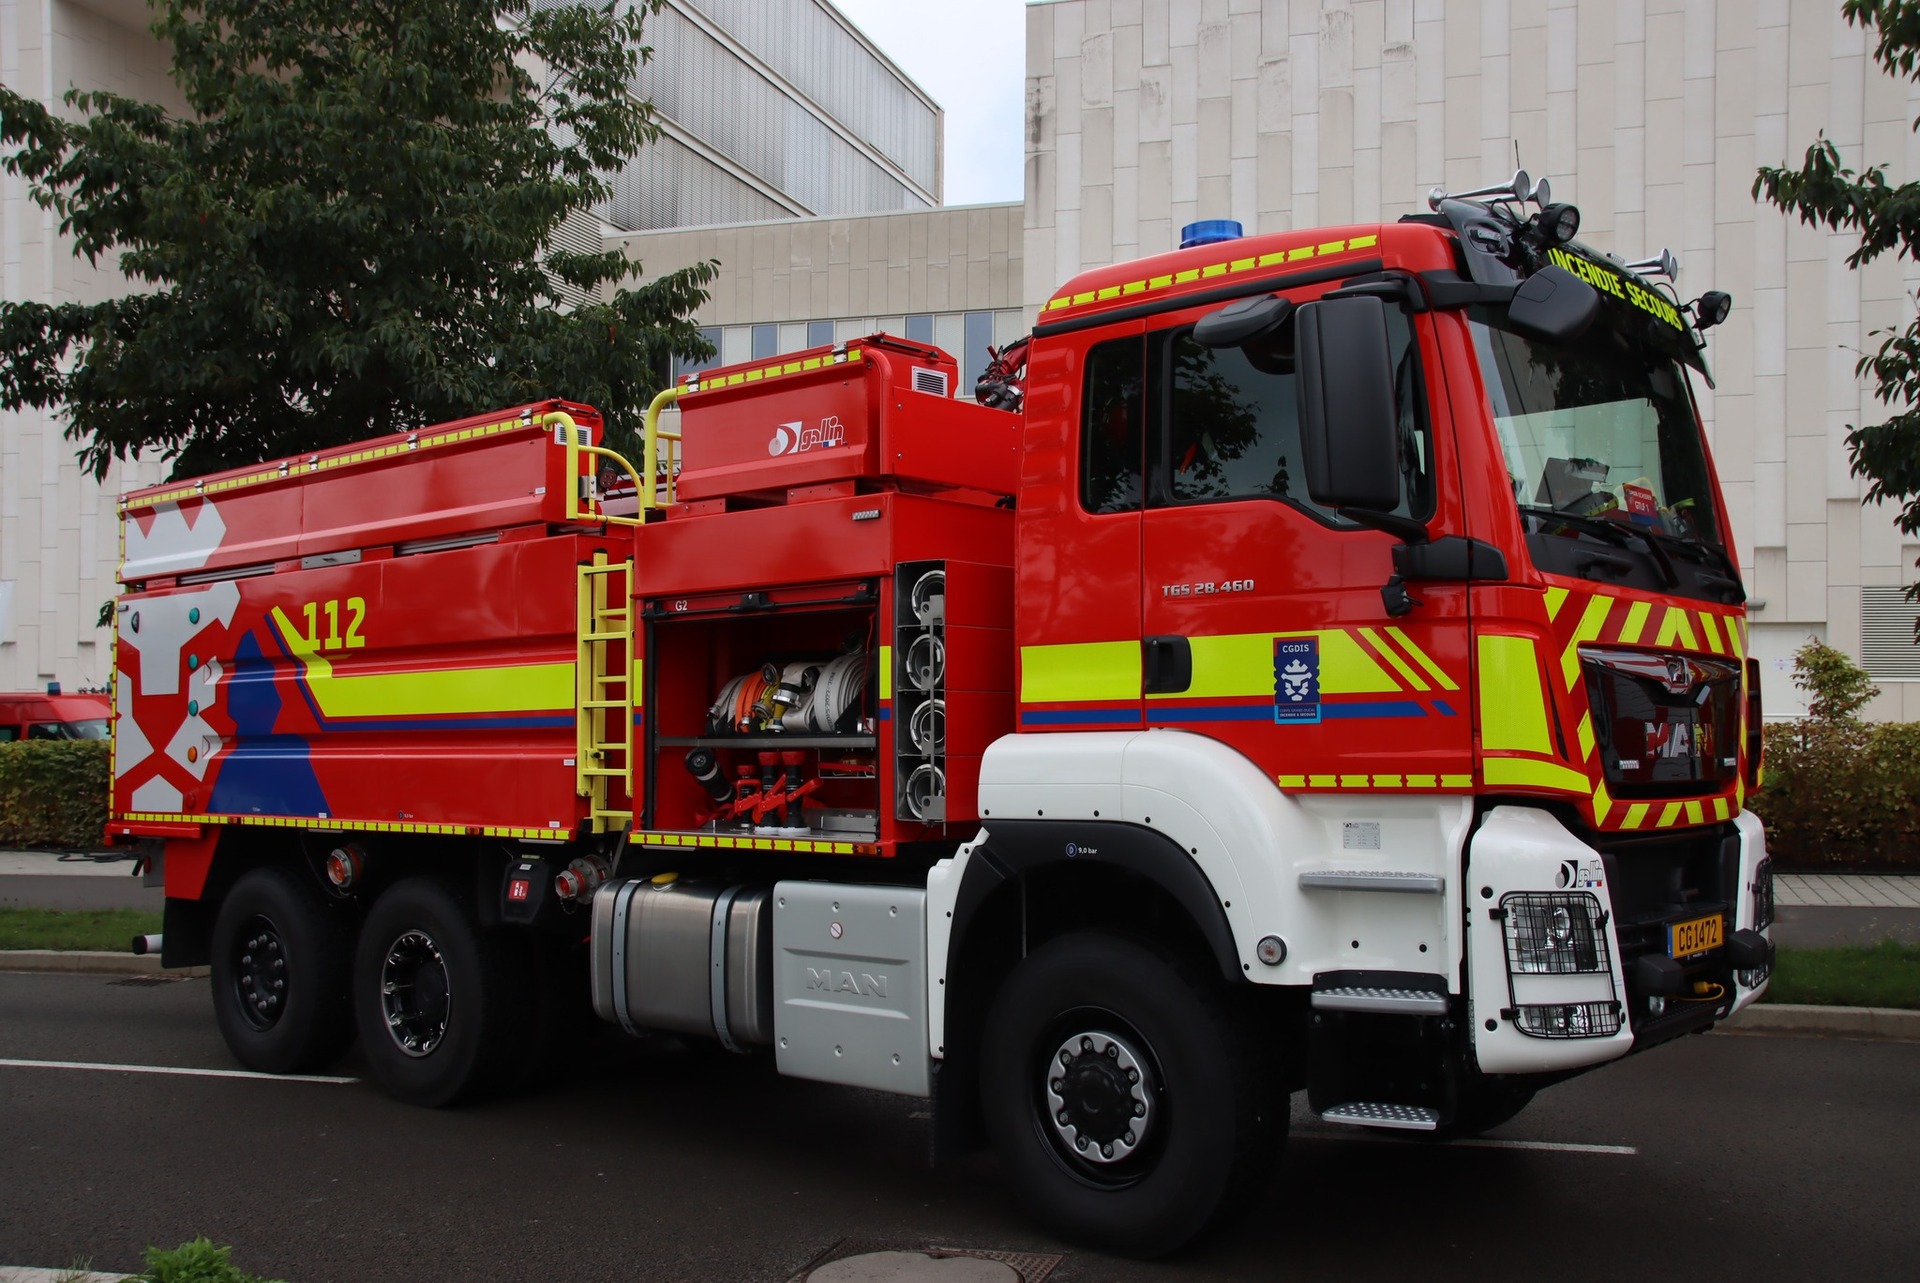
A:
<point x="1513" y="707"/>
<point x="1635" y="814"/>
<point x="1556" y="598"/>
<point x="1403" y="783"/>
<point x="1584" y="733"/>
<point x="1592" y="620"/>
<point x="1426" y="660"/>
<point x="1392" y="657"/>
<point x="508" y="688"/>
<point x="1676" y="627"/>
<point x="1081" y="671"/>
<point x="1636" y="622"/>
<point x="1188" y="275"/>
<point x="1602" y="803"/>
<point x="1712" y="629"/>
<point x="1531" y="774"/>
<point x="886" y="672"/>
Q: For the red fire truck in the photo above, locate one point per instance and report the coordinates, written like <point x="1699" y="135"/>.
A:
<point x="1322" y="666"/>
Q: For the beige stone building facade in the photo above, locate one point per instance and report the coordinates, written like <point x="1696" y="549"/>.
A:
<point x="1144" y="115"/>
<point x="1650" y="115"/>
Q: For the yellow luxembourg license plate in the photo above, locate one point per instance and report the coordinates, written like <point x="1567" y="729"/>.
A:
<point x="1684" y="939"/>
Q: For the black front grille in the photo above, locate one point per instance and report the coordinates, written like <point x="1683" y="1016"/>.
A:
<point x="1655" y="882"/>
<point x="1665" y="724"/>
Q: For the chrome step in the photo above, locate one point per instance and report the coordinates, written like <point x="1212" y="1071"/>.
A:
<point x="1408" y="1118"/>
<point x="1372" y="880"/>
<point x="1394" y="1002"/>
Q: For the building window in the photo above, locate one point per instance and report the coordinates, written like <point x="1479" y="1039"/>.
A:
<point x="920" y="328"/>
<point x="684" y="365"/>
<point x="766" y="341"/>
<point x="819" y="333"/>
<point x="1111" y="451"/>
<point x="1887" y="649"/>
<point x="973" y="361"/>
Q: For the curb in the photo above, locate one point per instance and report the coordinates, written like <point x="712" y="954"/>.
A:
<point x="1888" y="1023"/>
<point x="91" y="962"/>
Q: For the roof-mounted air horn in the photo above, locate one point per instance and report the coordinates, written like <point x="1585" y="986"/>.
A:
<point x="1661" y="264"/>
<point x="1518" y="188"/>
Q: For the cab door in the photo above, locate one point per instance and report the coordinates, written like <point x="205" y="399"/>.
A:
<point x="1263" y="618"/>
<point x="1077" y="581"/>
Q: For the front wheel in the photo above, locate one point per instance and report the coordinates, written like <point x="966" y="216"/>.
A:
<point x="1128" y="1106"/>
<point x="441" y="1003"/>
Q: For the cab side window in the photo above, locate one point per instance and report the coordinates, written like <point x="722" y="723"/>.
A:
<point x="8" y="734"/>
<point x="46" y="731"/>
<point x="1112" y="449"/>
<point x="1227" y="422"/>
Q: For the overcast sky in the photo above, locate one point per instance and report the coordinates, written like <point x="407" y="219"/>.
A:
<point x="971" y="56"/>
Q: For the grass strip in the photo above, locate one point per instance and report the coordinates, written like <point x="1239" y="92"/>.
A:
<point x="1870" y="975"/>
<point x="112" y="930"/>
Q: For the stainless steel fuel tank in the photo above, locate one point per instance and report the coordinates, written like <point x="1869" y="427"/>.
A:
<point x="691" y="958"/>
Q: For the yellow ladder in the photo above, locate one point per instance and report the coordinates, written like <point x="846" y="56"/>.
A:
<point x="604" y="694"/>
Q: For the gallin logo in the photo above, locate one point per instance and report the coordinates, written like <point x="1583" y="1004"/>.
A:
<point x="796" y="438"/>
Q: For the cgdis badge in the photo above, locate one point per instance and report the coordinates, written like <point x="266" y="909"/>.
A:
<point x="1296" y="680"/>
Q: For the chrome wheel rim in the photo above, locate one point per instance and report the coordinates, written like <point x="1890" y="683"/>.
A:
<point x="1099" y="1090"/>
<point x="415" y="993"/>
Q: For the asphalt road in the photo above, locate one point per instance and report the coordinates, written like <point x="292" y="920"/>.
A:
<point x="1754" y="1158"/>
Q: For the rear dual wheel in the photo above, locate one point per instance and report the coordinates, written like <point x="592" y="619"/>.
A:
<point x="442" y="1004"/>
<point x="281" y="956"/>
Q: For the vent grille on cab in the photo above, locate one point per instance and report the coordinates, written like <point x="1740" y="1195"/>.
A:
<point x="932" y="382"/>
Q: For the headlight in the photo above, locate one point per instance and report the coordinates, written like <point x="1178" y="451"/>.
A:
<point x="1554" y="933"/>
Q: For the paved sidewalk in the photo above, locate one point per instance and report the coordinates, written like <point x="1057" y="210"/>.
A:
<point x="1847" y="891"/>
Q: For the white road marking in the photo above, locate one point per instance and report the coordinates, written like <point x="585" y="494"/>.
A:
<point x="172" y="1069"/>
<point x="1555" y="1146"/>
<point x="1552" y="1146"/>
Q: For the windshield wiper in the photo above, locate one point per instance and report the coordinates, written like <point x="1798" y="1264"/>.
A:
<point x="1709" y="555"/>
<point x="1613" y="532"/>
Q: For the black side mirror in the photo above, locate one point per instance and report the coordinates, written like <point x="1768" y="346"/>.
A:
<point x="1554" y="304"/>
<point x="1349" y="425"/>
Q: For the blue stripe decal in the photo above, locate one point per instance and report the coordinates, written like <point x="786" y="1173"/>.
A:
<point x="1077" y="716"/>
<point x="1211" y="713"/>
<point x="886" y="712"/>
<point x="1446" y="709"/>
<point x="1382" y="708"/>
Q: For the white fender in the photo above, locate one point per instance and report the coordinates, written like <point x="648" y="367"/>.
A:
<point x="1253" y="843"/>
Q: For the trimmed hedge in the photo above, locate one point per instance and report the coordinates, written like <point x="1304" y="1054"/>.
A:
<point x="1842" y="794"/>
<point x="54" y="792"/>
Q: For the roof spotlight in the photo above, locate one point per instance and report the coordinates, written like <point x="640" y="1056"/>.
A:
<point x="1711" y="308"/>
<point x="1558" y="224"/>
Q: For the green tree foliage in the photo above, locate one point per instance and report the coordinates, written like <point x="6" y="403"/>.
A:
<point x="350" y="232"/>
<point x="1826" y="192"/>
<point x="1840" y="792"/>
<point x="1837" y="688"/>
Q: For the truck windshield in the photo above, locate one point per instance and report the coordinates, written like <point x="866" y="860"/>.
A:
<point x="1602" y="447"/>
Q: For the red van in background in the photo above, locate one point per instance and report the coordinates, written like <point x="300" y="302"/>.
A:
<point x="32" y="715"/>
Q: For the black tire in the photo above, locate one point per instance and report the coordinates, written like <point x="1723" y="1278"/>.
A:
<point x="1093" y="1027"/>
<point x="1483" y="1107"/>
<point x="281" y="956"/>
<point x="441" y="1004"/>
